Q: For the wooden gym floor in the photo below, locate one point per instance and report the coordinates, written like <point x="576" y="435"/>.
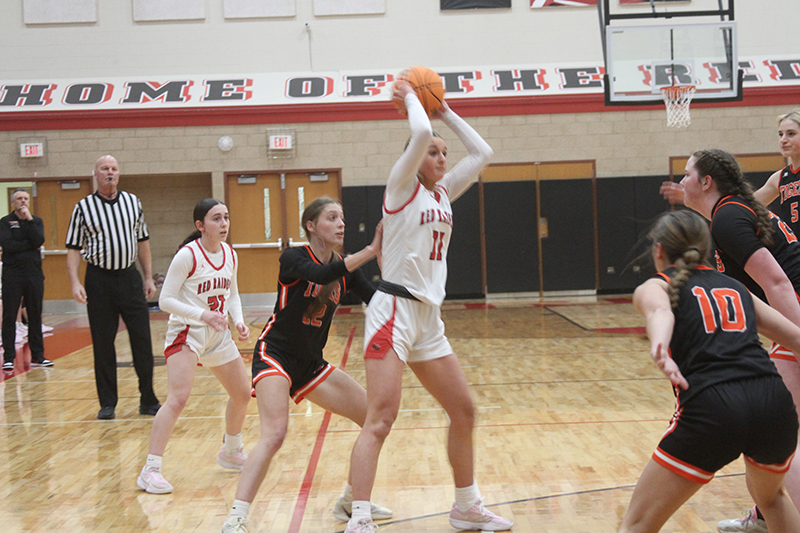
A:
<point x="570" y="407"/>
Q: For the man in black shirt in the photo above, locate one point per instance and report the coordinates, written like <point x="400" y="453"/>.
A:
<point x="21" y="237"/>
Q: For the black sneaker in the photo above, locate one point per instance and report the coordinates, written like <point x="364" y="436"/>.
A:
<point x="42" y="363"/>
<point x="8" y="366"/>
<point x="106" y="413"/>
<point x="149" y="409"/>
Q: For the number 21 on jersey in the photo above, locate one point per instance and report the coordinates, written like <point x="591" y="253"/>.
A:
<point x="729" y="308"/>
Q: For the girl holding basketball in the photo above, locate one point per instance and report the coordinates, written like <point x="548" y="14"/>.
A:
<point x="403" y="323"/>
<point x="288" y="361"/>
<point x="199" y="292"/>
<point x="730" y="399"/>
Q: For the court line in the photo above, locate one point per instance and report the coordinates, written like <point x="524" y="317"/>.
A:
<point x="527" y="500"/>
<point x="308" y="480"/>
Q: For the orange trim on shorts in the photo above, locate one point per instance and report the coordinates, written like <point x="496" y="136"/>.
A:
<point x="178" y="344"/>
<point x="781" y="468"/>
<point x="380" y="343"/>
<point x="681" y="468"/>
<point x="779" y="352"/>
<point x="303" y="391"/>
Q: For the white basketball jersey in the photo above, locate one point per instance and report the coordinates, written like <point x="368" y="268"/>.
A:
<point x="415" y="241"/>
<point x="208" y="285"/>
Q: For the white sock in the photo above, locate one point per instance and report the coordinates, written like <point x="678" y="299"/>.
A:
<point x="466" y="497"/>
<point x="232" y="442"/>
<point x="348" y="493"/>
<point x="240" y="508"/>
<point x="153" y="462"/>
<point x="361" y="509"/>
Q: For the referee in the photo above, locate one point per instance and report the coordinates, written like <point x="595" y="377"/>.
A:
<point x="108" y="229"/>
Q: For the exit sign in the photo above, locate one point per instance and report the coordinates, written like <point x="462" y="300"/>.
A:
<point x="280" y="142"/>
<point x="28" y="150"/>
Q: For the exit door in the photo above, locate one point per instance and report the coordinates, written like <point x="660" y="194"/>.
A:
<point x="265" y="212"/>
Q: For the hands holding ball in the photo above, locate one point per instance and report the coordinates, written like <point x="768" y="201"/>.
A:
<point x="428" y="86"/>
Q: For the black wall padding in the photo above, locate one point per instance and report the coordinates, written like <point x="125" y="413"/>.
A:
<point x="512" y="248"/>
<point x="464" y="254"/>
<point x="568" y="252"/>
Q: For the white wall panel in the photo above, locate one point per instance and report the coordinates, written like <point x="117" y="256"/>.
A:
<point x="259" y="8"/>
<point x="59" y="11"/>
<point x="411" y="32"/>
<point x="154" y="10"/>
<point x="349" y="7"/>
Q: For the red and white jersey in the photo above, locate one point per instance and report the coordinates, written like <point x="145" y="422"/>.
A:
<point x="197" y="281"/>
<point x="415" y="241"/>
<point x="417" y="222"/>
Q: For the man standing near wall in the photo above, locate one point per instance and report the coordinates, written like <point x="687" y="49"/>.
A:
<point x="108" y="229"/>
<point x="21" y="237"/>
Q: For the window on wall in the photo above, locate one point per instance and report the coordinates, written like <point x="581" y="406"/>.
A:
<point x="473" y="4"/>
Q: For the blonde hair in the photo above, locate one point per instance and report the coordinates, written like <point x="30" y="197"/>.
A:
<point x="791" y="115"/>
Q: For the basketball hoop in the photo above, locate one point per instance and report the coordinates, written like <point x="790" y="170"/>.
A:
<point x="677" y="98"/>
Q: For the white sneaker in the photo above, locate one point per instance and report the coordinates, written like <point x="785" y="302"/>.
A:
<point x="233" y="460"/>
<point x="478" y="518"/>
<point x="46" y="329"/>
<point x="749" y="523"/>
<point x="344" y="509"/>
<point x="365" y="525"/>
<point x="235" y="524"/>
<point x="153" y="482"/>
<point x="22" y="331"/>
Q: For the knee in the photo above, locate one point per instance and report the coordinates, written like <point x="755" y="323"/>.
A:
<point x="177" y="401"/>
<point x="241" y="397"/>
<point x="463" y="415"/>
<point x="379" y="423"/>
<point x="272" y="437"/>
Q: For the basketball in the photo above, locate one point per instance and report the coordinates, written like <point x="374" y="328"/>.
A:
<point x="428" y="86"/>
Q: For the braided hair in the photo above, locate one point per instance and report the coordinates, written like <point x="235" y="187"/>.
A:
<point x="686" y="241"/>
<point x="725" y="171"/>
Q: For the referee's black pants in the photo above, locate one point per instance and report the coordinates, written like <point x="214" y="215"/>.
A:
<point x="111" y="294"/>
<point x="15" y="288"/>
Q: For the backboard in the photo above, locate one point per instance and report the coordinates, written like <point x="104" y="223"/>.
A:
<point x="655" y="47"/>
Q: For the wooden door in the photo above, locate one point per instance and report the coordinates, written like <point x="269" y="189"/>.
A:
<point x="539" y="227"/>
<point x="301" y="189"/>
<point x="257" y="228"/>
<point x="54" y="202"/>
<point x="265" y="218"/>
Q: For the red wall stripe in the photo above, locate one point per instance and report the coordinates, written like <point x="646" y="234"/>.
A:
<point x="345" y="112"/>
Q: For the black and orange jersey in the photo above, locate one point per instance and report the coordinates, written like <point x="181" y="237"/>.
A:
<point x="789" y="197"/>
<point x="298" y="326"/>
<point x="715" y="338"/>
<point x="733" y="227"/>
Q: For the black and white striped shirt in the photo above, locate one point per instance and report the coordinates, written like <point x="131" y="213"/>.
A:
<point x="108" y="231"/>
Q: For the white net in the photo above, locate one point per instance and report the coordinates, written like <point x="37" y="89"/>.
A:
<point x="677" y="98"/>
